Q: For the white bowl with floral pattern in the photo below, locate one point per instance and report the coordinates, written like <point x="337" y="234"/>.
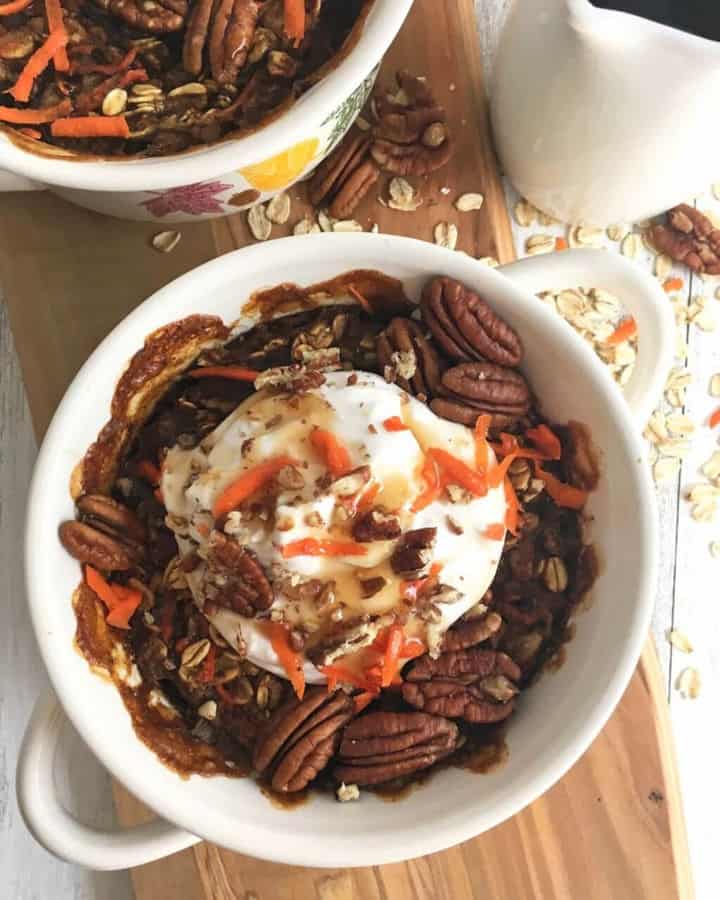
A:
<point x="223" y="178"/>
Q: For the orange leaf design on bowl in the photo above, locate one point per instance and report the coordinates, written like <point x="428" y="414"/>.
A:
<point x="278" y="171"/>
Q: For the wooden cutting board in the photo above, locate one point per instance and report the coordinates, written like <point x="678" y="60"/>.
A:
<point x="613" y="827"/>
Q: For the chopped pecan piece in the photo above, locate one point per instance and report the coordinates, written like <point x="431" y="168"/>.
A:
<point x="475" y="685"/>
<point x="227" y="29"/>
<point x="691" y="238"/>
<point x="404" y="339"/>
<point x="109" y="516"/>
<point x="301" y="738"/>
<point x="97" y="548"/>
<point x="465" y="327"/>
<point x="458" y="411"/>
<point x="155" y="16"/>
<point x="376" y="525"/>
<point x="413" y="554"/>
<point x="234" y="578"/>
<point x="345" y="176"/>
<point x="381" y="746"/>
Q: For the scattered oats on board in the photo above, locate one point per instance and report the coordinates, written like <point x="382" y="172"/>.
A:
<point x="703" y="318"/>
<point x="711" y="468"/>
<point x="715" y="385"/>
<point x="304" y="226"/>
<point x="258" y="223"/>
<point x="617" y="232"/>
<point x="489" y="261"/>
<point x="445" y="234"/>
<point x="539" y="243"/>
<point x="585" y="236"/>
<point x="325" y="221"/>
<point x="374" y="228"/>
<point x="716" y="190"/>
<point x="679" y="640"/>
<point x="679" y="423"/>
<point x="469" y="202"/>
<point x="403" y="195"/>
<point x="545" y="220"/>
<point x="630" y="246"/>
<point x="278" y="208"/>
<point x="715" y="549"/>
<point x="688" y="683"/>
<point x="525" y="213"/>
<point x="166" y="241"/>
<point x="665" y="469"/>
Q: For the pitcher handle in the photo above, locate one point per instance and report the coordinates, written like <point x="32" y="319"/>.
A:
<point x="638" y="291"/>
<point x="11" y="182"/>
<point x="57" y="830"/>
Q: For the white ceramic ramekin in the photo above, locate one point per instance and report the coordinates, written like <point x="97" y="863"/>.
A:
<point x="210" y="181"/>
<point x="557" y="719"/>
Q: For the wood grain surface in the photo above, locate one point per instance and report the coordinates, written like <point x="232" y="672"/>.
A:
<point x="613" y="827"/>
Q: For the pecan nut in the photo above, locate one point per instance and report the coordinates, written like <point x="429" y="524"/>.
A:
<point x="108" y="515"/>
<point x="96" y="548"/>
<point x="227" y="29"/>
<point x="465" y="327"/>
<point x="414" y="551"/>
<point x="403" y="348"/>
<point x="234" y="578"/>
<point x="473" y="684"/>
<point x="464" y="414"/>
<point x="381" y="746"/>
<point x="345" y="176"/>
<point x="691" y="238"/>
<point x="155" y="16"/>
<point x="470" y="632"/>
<point x="301" y="738"/>
<point x="376" y="525"/>
<point x="411" y="138"/>
<point x="487" y="387"/>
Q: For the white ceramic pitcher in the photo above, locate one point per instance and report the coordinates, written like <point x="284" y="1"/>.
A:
<point x="601" y="116"/>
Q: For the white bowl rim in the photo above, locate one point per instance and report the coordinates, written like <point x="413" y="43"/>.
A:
<point x="425" y="837"/>
<point x="216" y="160"/>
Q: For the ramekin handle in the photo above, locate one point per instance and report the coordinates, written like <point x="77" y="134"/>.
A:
<point x="638" y="291"/>
<point x="11" y="182"/>
<point x="57" y="830"/>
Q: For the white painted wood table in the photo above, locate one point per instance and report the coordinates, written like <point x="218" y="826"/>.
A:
<point x="686" y="599"/>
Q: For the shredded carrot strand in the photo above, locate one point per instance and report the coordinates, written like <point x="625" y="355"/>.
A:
<point x="363" y="700"/>
<point x="368" y="496"/>
<point x="289" y="659"/>
<point x="455" y="470"/>
<point x="495" y="532"/>
<point x="409" y="590"/>
<point x="235" y="373"/>
<point x="672" y="284"/>
<point x="481" y="445"/>
<point x="561" y="243"/>
<point x="90" y="127"/>
<point x="294" y="19"/>
<point x="338" y="672"/>
<point x="395" y="423"/>
<point x="120" y="616"/>
<point x="512" y="513"/>
<point x="497" y="475"/>
<point x="563" y="494"/>
<point x="546" y="441"/>
<point x="316" y="547"/>
<point x="625" y="330"/>
<point x="9" y="9"/>
<point x="37" y="64"/>
<point x="101" y="587"/>
<point x="102" y="68"/>
<point x="390" y="664"/>
<point x="246" y="484"/>
<point x="54" y="13"/>
<point x="715" y="418"/>
<point x="336" y="456"/>
<point x="35" y="116"/>
<point x="433" y="485"/>
<point x="362" y="301"/>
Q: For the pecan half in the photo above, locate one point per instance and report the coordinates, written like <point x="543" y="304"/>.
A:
<point x="464" y="414"/>
<point x="345" y="176"/>
<point x="301" y="738"/>
<point x="465" y="327"/>
<point x="413" y="554"/>
<point x="231" y="35"/>
<point x="475" y="685"/>
<point x="403" y="342"/>
<point x="487" y="387"/>
<point x="381" y="746"/>
<point x="410" y="138"/>
<point x="691" y="238"/>
<point x="234" y="578"/>
<point x="155" y="16"/>
<point x="376" y="525"/>
<point x="108" y="515"/>
<point x="469" y="632"/>
<point x="96" y="548"/>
